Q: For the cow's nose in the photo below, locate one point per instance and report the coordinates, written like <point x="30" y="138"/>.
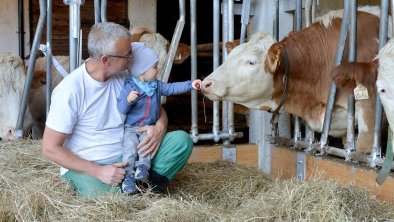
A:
<point x="206" y="84"/>
<point x="10" y="133"/>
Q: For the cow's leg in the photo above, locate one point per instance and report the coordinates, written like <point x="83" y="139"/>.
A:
<point x="365" y="111"/>
<point x="344" y="140"/>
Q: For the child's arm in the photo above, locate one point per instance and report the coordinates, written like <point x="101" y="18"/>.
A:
<point x="133" y="95"/>
<point x="168" y="89"/>
<point x="123" y="100"/>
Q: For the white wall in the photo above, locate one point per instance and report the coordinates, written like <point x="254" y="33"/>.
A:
<point x="9" y="40"/>
<point x="143" y="13"/>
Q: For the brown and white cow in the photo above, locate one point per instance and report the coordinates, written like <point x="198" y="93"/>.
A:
<point x="252" y="74"/>
<point x="37" y="97"/>
<point x="376" y="75"/>
<point x="12" y="80"/>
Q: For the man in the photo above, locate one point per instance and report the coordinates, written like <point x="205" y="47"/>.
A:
<point x="84" y="130"/>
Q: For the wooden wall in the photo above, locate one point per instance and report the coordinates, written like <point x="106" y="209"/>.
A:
<point x="116" y="12"/>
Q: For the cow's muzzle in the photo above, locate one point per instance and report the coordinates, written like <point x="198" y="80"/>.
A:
<point x="206" y="83"/>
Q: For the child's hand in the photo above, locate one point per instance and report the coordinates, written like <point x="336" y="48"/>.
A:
<point x="196" y="84"/>
<point x="133" y="95"/>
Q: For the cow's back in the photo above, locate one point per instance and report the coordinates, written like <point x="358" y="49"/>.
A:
<point x="311" y="55"/>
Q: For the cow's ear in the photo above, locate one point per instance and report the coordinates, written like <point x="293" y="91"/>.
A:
<point x="182" y="53"/>
<point x="272" y="61"/>
<point x="231" y="45"/>
<point x="137" y="32"/>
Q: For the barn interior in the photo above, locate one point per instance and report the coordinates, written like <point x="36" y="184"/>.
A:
<point x="249" y="150"/>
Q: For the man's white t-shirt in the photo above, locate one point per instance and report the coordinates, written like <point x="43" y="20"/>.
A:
<point x="86" y="110"/>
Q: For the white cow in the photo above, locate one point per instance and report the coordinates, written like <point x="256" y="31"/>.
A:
<point x="385" y="80"/>
<point x="161" y="46"/>
<point x="12" y="80"/>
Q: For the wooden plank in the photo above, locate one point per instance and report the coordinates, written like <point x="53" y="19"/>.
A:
<point x="366" y="179"/>
<point x="283" y="163"/>
<point x="328" y="169"/>
<point x="349" y="174"/>
<point x="247" y="154"/>
<point x="206" y="154"/>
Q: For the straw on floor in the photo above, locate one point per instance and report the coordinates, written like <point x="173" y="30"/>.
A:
<point x="30" y="190"/>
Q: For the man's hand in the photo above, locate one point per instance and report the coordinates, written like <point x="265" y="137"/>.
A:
<point x="112" y="174"/>
<point x="133" y="95"/>
<point x="150" y="144"/>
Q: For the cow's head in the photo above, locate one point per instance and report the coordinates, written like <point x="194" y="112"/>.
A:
<point x="242" y="77"/>
<point x="12" y="80"/>
<point x="161" y="46"/>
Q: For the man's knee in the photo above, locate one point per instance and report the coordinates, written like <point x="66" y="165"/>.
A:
<point x="182" y="141"/>
<point x="88" y="186"/>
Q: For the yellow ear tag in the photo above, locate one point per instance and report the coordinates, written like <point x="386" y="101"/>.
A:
<point x="360" y="92"/>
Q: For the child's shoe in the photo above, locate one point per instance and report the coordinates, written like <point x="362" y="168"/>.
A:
<point x="142" y="173"/>
<point x="128" y="185"/>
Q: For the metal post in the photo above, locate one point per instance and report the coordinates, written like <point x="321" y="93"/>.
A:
<point x="283" y="127"/>
<point x="97" y="16"/>
<point x="308" y="13"/>
<point x="309" y="134"/>
<point x="244" y="19"/>
<point x="175" y="41"/>
<point x="309" y="138"/>
<point x="333" y="88"/>
<point x="193" y="44"/>
<point x="224" y="56"/>
<point x="392" y="17"/>
<point x="378" y="104"/>
<point x="352" y="58"/>
<point x="297" y="129"/>
<point x="315" y="2"/>
<point x="230" y="105"/>
<point x="103" y="10"/>
<point x="276" y="20"/>
<point x="48" y="91"/>
<point x="259" y="125"/>
<point x="75" y="26"/>
<point x="275" y="32"/>
<point x="21" y="29"/>
<point x="30" y="70"/>
<point x="216" y="26"/>
<point x="298" y="26"/>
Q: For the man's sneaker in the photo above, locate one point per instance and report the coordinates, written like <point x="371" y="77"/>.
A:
<point x="128" y="185"/>
<point x="142" y="173"/>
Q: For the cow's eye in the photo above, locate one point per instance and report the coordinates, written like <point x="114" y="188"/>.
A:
<point x="250" y="62"/>
<point x="382" y="90"/>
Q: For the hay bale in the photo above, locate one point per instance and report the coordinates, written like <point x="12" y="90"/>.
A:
<point x="30" y="190"/>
